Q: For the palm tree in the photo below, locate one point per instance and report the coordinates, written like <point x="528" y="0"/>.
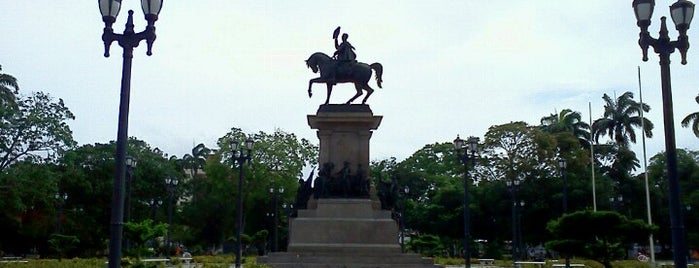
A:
<point x="567" y="121"/>
<point x="620" y="118"/>
<point x="8" y="89"/>
<point x="694" y="119"/>
<point x="195" y="161"/>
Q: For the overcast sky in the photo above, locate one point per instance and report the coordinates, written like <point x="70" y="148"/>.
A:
<point x="450" y="67"/>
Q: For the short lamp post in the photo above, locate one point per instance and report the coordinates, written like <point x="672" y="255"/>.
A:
<point x="239" y="156"/>
<point x="131" y="163"/>
<point x="154" y="204"/>
<point x="512" y="185"/>
<point x="401" y="218"/>
<point x="171" y="187"/>
<point x="128" y="41"/>
<point x="60" y="201"/>
<point x="681" y="12"/>
<point x="466" y="153"/>
<point x="616" y="203"/>
<point x="275" y="216"/>
<point x="563" y="165"/>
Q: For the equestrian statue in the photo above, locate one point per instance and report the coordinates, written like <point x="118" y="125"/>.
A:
<point x="343" y="68"/>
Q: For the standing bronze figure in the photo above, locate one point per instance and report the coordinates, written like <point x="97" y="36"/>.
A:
<point x="343" y="69"/>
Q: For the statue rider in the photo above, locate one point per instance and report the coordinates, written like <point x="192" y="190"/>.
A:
<point x="344" y="53"/>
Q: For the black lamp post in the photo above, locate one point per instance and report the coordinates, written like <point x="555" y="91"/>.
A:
<point x="463" y="148"/>
<point x="171" y="187"/>
<point x="401" y="218"/>
<point x="60" y="201"/>
<point x="616" y="202"/>
<point x="275" y="216"/>
<point x="512" y="185"/>
<point x="131" y="163"/>
<point x="681" y="12"/>
<point x="240" y="156"/>
<point x="128" y="41"/>
<point x="154" y="204"/>
<point x="563" y="165"/>
<point x="520" y="239"/>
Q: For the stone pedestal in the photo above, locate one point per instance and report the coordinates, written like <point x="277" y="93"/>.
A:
<point x="344" y="232"/>
<point x="344" y="132"/>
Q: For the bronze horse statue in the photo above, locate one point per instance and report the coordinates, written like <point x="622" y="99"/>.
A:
<point x="358" y="73"/>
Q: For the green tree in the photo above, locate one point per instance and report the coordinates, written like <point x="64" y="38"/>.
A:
<point x="692" y="118"/>
<point x="8" y="89"/>
<point x="620" y="118"/>
<point x="62" y="243"/>
<point x="567" y="121"/>
<point x="28" y="214"/>
<point x="598" y="235"/>
<point x="36" y="131"/>
<point x="278" y="161"/>
<point x="140" y="233"/>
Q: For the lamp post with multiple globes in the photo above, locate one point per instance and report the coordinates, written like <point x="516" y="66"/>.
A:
<point x="239" y="156"/>
<point x="128" y="41"/>
<point x="466" y="153"/>
<point x="681" y="12"/>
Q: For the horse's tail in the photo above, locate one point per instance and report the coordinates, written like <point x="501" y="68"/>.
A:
<point x="378" y="68"/>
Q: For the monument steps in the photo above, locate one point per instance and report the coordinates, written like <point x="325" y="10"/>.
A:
<point x="336" y="260"/>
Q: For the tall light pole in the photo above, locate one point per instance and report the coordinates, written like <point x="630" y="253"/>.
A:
<point x="463" y="149"/>
<point x="275" y="216"/>
<point x="128" y="41"/>
<point x="239" y="156"/>
<point x="681" y="12"/>
<point x="171" y="187"/>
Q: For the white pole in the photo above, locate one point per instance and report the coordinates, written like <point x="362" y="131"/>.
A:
<point x="592" y="160"/>
<point x="645" y="167"/>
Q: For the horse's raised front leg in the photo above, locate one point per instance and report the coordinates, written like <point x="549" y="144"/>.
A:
<point x="330" y="89"/>
<point x="369" y="91"/>
<point x="310" y="84"/>
<point x="359" y="93"/>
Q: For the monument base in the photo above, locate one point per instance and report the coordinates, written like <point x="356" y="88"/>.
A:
<point x="343" y="233"/>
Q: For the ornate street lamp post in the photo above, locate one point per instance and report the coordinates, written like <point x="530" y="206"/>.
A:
<point x="128" y="41"/>
<point x="681" y="12"/>
<point x="171" y="187"/>
<point x="240" y="155"/>
<point x="60" y="201"/>
<point x="463" y="149"/>
<point x="275" y="216"/>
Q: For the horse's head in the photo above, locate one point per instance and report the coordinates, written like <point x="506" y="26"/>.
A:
<point x="313" y="67"/>
<point x="317" y="60"/>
